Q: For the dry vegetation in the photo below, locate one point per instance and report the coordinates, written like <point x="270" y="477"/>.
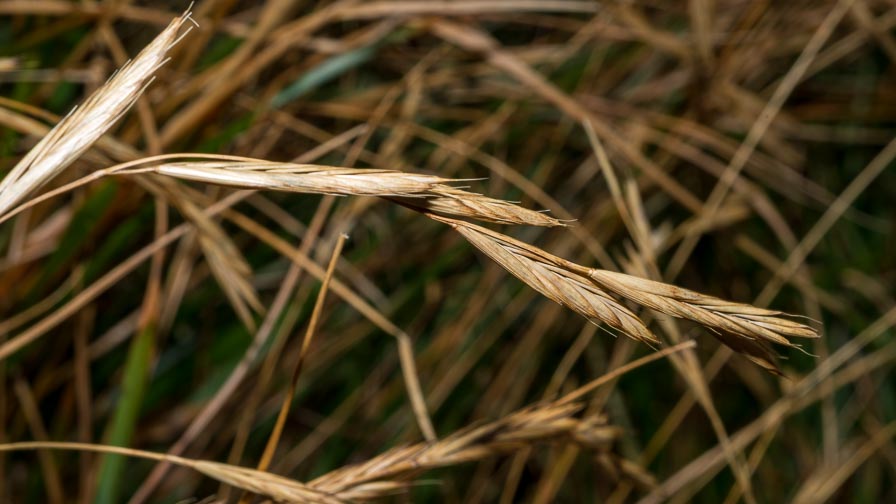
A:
<point x="667" y="180"/>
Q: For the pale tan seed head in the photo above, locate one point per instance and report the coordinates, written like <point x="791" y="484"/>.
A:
<point x="426" y="193"/>
<point x="303" y="178"/>
<point x="737" y="319"/>
<point x="744" y="328"/>
<point x="264" y="483"/>
<point x="390" y="472"/>
<point x="75" y="133"/>
<point x="447" y="200"/>
<point x="549" y="275"/>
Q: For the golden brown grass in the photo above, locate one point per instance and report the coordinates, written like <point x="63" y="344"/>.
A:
<point x="587" y="292"/>
<point x="417" y="191"/>
<point x="721" y="121"/>
<point x="390" y="473"/>
<point x="72" y="136"/>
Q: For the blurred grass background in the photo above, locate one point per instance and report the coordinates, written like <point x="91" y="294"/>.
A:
<point x="491" y="90"/>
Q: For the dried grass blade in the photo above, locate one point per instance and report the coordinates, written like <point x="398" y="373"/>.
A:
<point x="226" y="262"/>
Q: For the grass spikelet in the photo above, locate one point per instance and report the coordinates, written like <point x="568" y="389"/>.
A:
<point x="263" y="483"/>
<point x="389" y="473"/>
<point x="420" y="192"/>
<point x="447" y="200"/>
<point x="303" y="178"/>
<point x="75" y="133"/>
<point x="738" y="319"/>
<point x="548" y="275"/>
<point x="586" y="291"/>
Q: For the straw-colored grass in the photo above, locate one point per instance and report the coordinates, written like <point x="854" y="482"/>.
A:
<point x="426" y="192"/>
<point x="72" y="136"/>
<point x="587" y="291"/>
<point x="155" y="299"/>
<point x="390" y="473"/>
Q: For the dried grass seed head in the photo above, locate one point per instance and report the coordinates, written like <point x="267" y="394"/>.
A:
<point x="84" y="125"/>
<point x="391" y="471"/>
<point x="727" y="316"/>
<point x="745" y="328"/>
<point x="420" y="192"/>
<point x="550" y="276"/>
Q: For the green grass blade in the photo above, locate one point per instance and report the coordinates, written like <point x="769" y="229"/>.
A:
<point x="121" y="428"/>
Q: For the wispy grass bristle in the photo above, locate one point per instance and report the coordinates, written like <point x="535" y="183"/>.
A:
<point x="451" y="201"/>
